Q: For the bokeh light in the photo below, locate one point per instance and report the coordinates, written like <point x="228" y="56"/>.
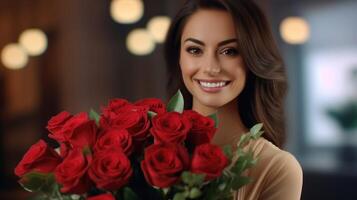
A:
<point x="140" y="42"/>
<point x="13" y="56"/>
<point x="126" y="11"/>
<point x="158" y="27"/>
<point x="34" y="41"/>
<point x="295" y="30"/>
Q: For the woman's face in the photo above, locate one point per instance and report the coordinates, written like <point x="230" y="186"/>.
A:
<point x="212" y="68"/>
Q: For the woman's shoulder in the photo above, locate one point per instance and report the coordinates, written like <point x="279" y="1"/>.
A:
<point x="277" y="171"/>
<point x="265" y="150"/>
<point x="270" y="155"/>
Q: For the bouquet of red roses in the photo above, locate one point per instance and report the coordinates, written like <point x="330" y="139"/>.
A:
<point x="132" y="151"/>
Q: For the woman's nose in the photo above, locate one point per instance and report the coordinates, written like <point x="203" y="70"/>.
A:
<point x="211" y="66"/>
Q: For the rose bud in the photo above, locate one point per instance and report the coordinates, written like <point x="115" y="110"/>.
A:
<point x="39" y="158"/>
<point x="79" y="131"/>
<point x="56" y="123"/>
<point x="62" y="134"/>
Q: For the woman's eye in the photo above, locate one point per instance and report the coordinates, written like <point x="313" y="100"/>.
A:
<point x="193" y="50"/>
<point x="230" y="52"/>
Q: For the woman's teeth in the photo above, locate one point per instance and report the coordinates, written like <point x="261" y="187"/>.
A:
<point x="213" y="85"/>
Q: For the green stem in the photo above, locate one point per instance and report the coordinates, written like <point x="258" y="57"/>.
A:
<point x="58" y="194"/>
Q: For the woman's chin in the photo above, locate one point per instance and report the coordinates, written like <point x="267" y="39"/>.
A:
<point x="212" y="103"/>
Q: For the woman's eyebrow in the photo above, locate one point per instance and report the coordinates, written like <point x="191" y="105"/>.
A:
<point x="195" y="41"/>
<point x="224" y="42"/>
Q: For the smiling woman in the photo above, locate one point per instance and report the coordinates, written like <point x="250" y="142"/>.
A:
<point x="222" y="56"/>
<point x="210" y="63"/>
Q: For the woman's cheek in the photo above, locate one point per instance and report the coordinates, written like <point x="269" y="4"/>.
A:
<point x="189" y="68"/>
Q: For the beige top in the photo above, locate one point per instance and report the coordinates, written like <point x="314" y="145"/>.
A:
<point x="277" y="174"/>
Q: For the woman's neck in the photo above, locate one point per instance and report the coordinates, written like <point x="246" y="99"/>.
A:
<point x="230" y="125"/>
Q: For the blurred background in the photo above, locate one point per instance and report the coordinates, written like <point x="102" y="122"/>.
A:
<point x="76" y="55"/>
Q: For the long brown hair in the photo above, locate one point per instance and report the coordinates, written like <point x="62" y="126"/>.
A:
<point x="262" y="99"/>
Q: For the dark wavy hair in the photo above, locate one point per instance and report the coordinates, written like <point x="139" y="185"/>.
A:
<point x="262" y="99"/>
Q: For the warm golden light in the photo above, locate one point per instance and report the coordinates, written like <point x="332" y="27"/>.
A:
<point x="34" y="41"/>
<point x="158" y="27"/>
<point x="126" y="11"/>
<point x="13" y="56"/>
<point x="295" y="30"/>
<point x="140" y="42"/>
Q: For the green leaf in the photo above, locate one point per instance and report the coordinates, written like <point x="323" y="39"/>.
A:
<point x="222" y="186"/>
<point x="179" y="196"/>
<point x="198" y="179"/>
<point x="186" y="177"/>
<point x="75" y="196"/>
<point x="240" y="181"/>
<point x="128" y="194"/>
<point x="186" y="193"/>
<point x="227" y="150"/>
<point x="39" y="197"/>
<point x="36" y="182"/>
<point x="256" y="130"/>
<point x="243" y="140"/>
<point x="245" y="160"/>
<point x="239" y="166"/>
<point x="195" y="193"/>
<point x="215" y="119"/>
<point x="254" y="133"/>
<point x="94" y="116"/>
<point x="151" y="114"/>
<point x="215" y="189"/>
<point x="192" y="179"/>
<point x="176" y="103"/>
<point x="165" y="190"/>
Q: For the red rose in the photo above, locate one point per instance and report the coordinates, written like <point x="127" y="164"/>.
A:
<point x="111" y="169"/>
<point x="56" y="123"/>
<point x="39" y="158"/>
<point x="102" y="197"/>
<point x="83" y="135"/>
<point x="111" y="110"/>
<point x="114" y="106"/>
<point x="62" y="134"/>
<point x="65" y="148"/>
<point x="163" y="164"/>
<point x="132" y="118"/>
<point x="170" y="127"/>
<point x="203" y="128"/>
<point x="154" y="104"/>
<point x="72" y="172"/>
<point x="115" y="138"/>
<point x="78" y="131"/>
<point x="210" y="160"/>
